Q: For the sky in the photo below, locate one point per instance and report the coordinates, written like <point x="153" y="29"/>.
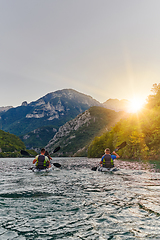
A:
<point x="102" y="48"/>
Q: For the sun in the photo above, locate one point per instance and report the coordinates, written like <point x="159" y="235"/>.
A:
<point x="136" y="105"/>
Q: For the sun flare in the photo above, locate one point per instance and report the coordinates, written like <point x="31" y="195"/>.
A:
<point x="136" y="105"/>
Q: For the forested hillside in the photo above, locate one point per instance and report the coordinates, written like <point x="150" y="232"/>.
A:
<point x="75" y="136"/>
<point x="141" y="131"/>
<point x="10" y="145"/>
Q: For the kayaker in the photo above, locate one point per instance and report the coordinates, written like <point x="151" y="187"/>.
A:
<point x="49" y="157"/>
<point x="107" y="159"/>
<point x="41" y="160"/>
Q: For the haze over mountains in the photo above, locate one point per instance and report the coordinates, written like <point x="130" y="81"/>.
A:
<point x="117" y="105"/>
<point x="4" y="109"/>
<point x="36" y="123"/>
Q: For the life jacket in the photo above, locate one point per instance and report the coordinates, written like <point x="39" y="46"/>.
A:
<point x="41" y="163"/>
<point x="107" y="161"/>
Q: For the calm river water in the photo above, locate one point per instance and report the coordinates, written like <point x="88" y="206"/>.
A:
<point x="76" y="203"/>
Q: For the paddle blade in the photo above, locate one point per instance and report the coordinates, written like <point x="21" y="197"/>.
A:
<point x="31" y="168"/>
<point x="122" y="145"/>
<point x="24" y="153"/>
<point x="94" y="168"/>
<point x="56" y="149"/>
<point x="57" y="165"/>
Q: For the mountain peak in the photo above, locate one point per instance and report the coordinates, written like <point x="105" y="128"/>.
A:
<point x="4" y="109"/>
<point x="117" y="105"/>
<point x="67" y="93"/>
<point x="53" y="109"/>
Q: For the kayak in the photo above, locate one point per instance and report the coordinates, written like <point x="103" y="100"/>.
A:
<point x="36" y="170"/>
<point x="103" y="169"/>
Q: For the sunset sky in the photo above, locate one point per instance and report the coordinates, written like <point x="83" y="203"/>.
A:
<point x="103" y="48"/>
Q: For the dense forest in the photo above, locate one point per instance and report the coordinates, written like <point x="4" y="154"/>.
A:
<point x="11" y="145"/>
<point x="141" y="131"/>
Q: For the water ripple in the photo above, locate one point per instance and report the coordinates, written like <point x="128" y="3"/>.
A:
<point x="77" y="203"/>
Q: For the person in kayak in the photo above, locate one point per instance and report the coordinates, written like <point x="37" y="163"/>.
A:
<point x="107" y="159"/>
<point x="41" y="160"/>
<point x="49" y="157"/>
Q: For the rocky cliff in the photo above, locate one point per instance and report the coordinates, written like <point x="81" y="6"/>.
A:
<point x="75" y="136"/>
<point x="54" y="109"/>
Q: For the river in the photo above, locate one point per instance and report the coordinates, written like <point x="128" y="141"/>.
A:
<point x="76" y="203"/>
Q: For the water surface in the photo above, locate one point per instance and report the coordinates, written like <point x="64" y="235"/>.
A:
<point x="77" y="203"/>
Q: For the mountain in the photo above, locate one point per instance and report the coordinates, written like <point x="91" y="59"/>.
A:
<point x="39" y="137"/>
<point x="50" y="111"/>
<point x="75" y="136"/>
<point x="117" y="105"/>
<point x="4" y="109"/>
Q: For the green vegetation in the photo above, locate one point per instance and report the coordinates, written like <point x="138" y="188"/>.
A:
<point x="10" y="145"/>
<point x="141" y="131"/>
<point x="76" y="142"/>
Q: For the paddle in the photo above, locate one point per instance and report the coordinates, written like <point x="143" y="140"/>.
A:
<point x="122" y="145"/>
<point x="25" y="153"/>
<point x="56" y="149"/>
<point x="58" y="165"/>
